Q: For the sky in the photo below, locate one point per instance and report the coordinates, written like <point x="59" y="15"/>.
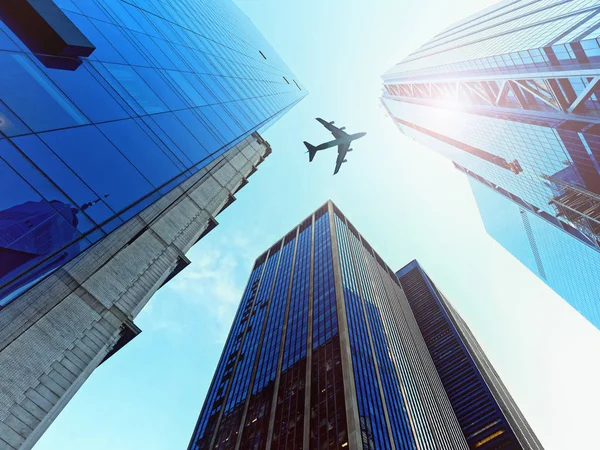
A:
<point x="407" y="201"/>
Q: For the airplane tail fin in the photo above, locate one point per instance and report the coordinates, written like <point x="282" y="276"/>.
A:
<point x="312" y="150"/>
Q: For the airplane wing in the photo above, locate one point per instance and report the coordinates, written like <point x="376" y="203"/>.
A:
<point x="342" y="152"/>
<point x="337" y="133"/>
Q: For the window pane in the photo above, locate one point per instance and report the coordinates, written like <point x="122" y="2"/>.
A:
<point x="90" y="155"/>
<point x="140" y="150"/>
<point x="32" y="229"/>
<point x="31" y="95"/>
<point x="63" y="176"/>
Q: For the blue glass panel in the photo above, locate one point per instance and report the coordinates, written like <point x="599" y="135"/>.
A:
<point x="181" y="136"/>
<point x="154" y="52"/>
<point x="6" y="43"/>
<point x="108" y="173"/>
<point x="128" y="103"/>
<point x="208" y="95"/>
<point x="67" y="5"/>
<point x="31" y="229"/>
<point x="86" y="92"/>
<point x="139" y="206"/>
<point x="193" y="121"/>
<point x="121" y="42"/>
<point x="91" y="9"/>
<point x="159" y="129"/>
<point x="137" y="88"/>
<point x="44" y="186"/>
<point x="219" y="120"/>
<point x="169" y="49"/>
<point x="30" y="94"/>
<point x="105" y="51"/>
<point x="162" y="86"/>
<point x="166" y="146"/>
<point x="13" y="38"/>
<point x="186" y="88"/>
<point x="141" y="151"/>
<point x="167" y="140"/>
<point x="63" y="176"/>
<point x="164" y="28"/>
<point x="10" y="125"/>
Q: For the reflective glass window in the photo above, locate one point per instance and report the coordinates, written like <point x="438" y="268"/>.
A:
<point x="125" y="125"/>
<point x="105" y="51"/>
<point x="137" y="88"/>
<point x="30" y="227"/>
<point x="121" y="42"/>
<point x="140" y="150"/>
<point x="63" y="176"/>
<point x="108" y="173"/>
<point x="31" y="95"/>
<point x="162" y="86"/>
<point x="45" y="187"/>
<point x="181" y="135"/>
<point x="88" y="94"/>
<point x="10" y="124"/>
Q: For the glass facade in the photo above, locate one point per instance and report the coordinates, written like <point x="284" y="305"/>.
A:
<point x="487" y="422"/>
<point x="324" y="354"/>
<point x="288" y="431"/>
<point x="370" y="400"/>
<point x="87" y="142"/>
<point x="511" y="95"/>
<point x="328" y="427"/>
<point x="540" y="242"/>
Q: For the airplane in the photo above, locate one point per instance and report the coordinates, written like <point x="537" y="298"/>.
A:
<point x="342" y="140"/>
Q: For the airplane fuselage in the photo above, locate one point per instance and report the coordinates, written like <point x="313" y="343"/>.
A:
<point x="340" y="141"/>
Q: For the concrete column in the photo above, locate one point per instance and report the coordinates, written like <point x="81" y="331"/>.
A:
<point x="282" y="346"/>
<point x="370" y="335"/>
<point x="352" y="418"/>
<point x="309" y="339"/>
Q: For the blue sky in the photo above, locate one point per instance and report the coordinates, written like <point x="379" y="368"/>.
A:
<point x="407" y="201"/>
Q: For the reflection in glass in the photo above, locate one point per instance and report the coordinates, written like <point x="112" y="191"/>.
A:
<point x="30" y="235"/>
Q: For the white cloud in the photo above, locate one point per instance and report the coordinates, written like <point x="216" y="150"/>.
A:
<point x="215" y="280"/>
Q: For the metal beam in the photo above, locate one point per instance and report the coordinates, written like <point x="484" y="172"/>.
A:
<point x="421" y="89"/>
<point x="550" y="115"/>
<point x="438" y="87"/>
<point x="500" y="93"/>
<point x="479" y="94"/>
<point x="536" y="94"/>
<point x="531" y="75"/>
<point x="555" y="89"/>
<point x="584" y="94"/>
<point x="518" y="94"/>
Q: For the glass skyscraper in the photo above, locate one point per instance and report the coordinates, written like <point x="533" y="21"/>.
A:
<point x="325" y="353"/>
<point x="487" y="414"/>
<point x="125" y="128"/>
<point x="510" y="95"/>
<point x="170" y="86"/>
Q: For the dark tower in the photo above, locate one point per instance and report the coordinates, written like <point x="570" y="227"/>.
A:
<point x="325" y="354"/>
<point x="488" y="416"/>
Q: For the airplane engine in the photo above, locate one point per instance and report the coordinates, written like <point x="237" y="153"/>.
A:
<point x="342" y="128"/>
<point x="331" y="123"/>
<point x="345" y="161"/>
<point x="349" y="150"/>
